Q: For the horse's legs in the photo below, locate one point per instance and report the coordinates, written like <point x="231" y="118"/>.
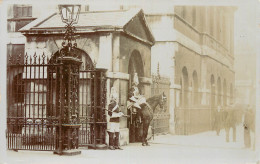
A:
<point x="147" y="128"/>
<point x="145" y="132"/>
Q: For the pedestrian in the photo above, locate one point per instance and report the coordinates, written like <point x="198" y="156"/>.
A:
<point x="218" y="119"/>
<point x="230" y="121"/>
<point x="115" y="113"/>
<point x="248" y="124"/>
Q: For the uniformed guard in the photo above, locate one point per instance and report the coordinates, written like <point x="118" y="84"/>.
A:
<point x="115" y="113"/>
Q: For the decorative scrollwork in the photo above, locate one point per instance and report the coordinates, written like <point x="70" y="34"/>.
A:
<point x="29" y="121"/>
<point x="74" y="138"/>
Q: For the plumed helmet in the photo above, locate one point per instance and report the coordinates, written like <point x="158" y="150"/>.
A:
<point x="136" y="105"/>
<point x="133" y="99"/>
<point x="136" y="81"/>
<point x="113" y="94"/>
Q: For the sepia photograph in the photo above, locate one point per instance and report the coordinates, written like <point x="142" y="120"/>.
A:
<point x="134" y="82"/>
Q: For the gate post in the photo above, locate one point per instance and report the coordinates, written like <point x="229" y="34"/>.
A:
<point x="68" y="98"/>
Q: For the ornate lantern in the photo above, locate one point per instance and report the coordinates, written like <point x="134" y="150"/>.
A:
<point x="69" y="13"/>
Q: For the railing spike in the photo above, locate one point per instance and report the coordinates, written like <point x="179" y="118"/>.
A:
<point x="34" y="56"/>
<point x="26" y="58"/>
<point x="43" y="58"/>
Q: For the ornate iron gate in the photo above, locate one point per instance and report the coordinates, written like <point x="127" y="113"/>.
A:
<point x="160" y="122"/>
<point x="34" y="109"/>
<point x="92" y="108"/>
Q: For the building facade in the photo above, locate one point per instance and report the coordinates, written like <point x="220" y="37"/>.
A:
<point x="195" y="48"/>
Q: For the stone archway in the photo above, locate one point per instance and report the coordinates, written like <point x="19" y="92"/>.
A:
<point x="87" y="63"/>
<point x="185" y="87"/>
<point x="224" y="93"/>
<point x="195" y="88"/>
<point x="219" y="88"/>
<point x="212" y="92"/>
<point x="135" y="65"/>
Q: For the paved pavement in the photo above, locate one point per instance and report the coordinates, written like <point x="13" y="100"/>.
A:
<point x="199" y="148"/>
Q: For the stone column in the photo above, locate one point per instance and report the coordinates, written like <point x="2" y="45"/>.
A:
<point x="172" y="98"/>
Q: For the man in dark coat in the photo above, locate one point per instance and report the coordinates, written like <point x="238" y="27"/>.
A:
<point x="230" y="121"/>
<point x="218" y="119"/>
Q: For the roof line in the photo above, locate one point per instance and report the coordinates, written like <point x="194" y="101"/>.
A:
<point x="106" y="11"/>
<point x="138" y="38"/>
<point x="145" y="23"/>
<point x="45" y="19"/>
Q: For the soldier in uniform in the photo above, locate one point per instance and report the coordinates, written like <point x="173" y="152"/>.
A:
<point x="115" y="113"/>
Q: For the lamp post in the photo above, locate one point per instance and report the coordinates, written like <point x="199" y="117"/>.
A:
<point x="70" y="16"/>
<point x="68" y="85"/>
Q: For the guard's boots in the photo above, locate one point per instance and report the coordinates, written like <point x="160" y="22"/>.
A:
<point x="111" y="141"/>
<point x="116" y="142"/>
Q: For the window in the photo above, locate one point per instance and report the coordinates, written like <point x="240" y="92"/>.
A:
<point x="194" y="16"/>
<point x="86" y="7"/>
<point x="22" y="11"/>
<point x="15" y="50"/>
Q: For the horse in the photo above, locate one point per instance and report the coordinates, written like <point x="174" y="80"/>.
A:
<point x="146" y="113"/>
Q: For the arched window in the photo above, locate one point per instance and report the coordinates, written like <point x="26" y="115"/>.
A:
<point x="219" y="102"/>
<point x="195" y="88"/>
<point x="185" y="87"/>
<point x="212" y="93"/>
<point x="224" y="93"/>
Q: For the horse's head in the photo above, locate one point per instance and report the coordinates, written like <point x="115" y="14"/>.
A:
<point x="163" y="100"/>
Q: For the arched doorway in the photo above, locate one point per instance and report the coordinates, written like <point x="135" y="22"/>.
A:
<point x="212" y="100"/>
<point x="195" y="89"/>
<point x="85" y="87"/>
<point x="224" y="93"/>
<point x="219" y="96"/>
<point x="212" y="92"/>
<point x="185" y="88"/>
<point x="135" y="65"/>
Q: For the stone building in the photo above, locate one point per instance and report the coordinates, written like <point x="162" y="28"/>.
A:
<point x="195" y="48"/>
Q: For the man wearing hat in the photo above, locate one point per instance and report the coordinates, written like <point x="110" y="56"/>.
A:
<point x="115" y="113"/>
